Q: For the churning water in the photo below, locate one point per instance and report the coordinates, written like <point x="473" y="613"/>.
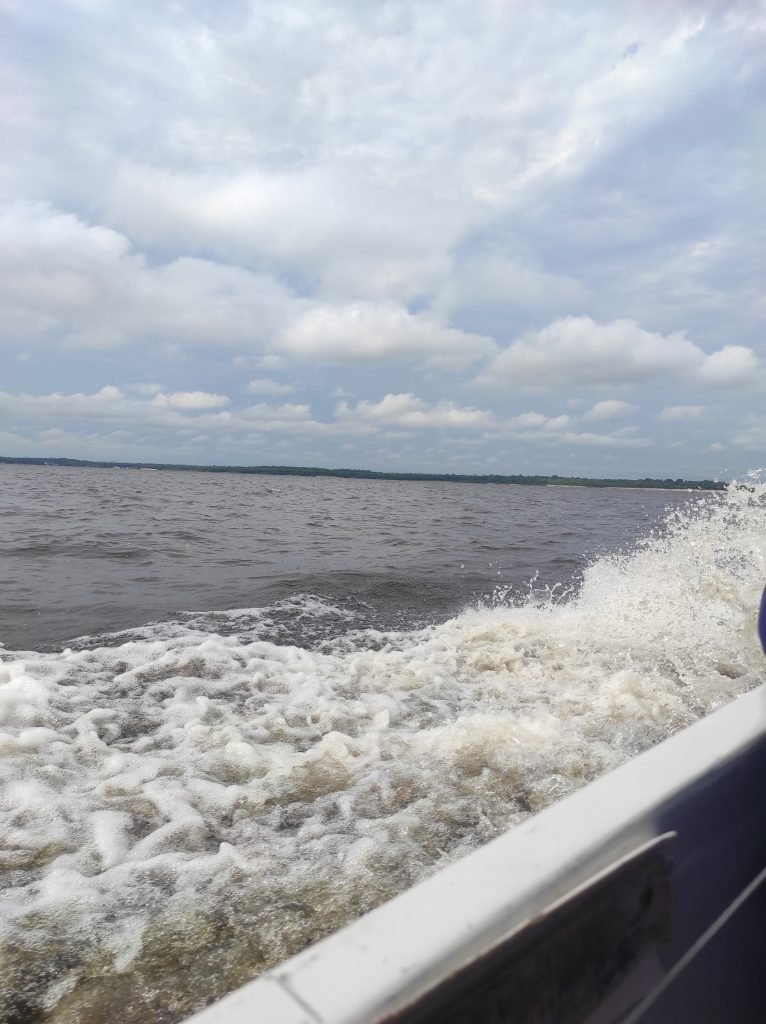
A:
<point x="185" y="804"/>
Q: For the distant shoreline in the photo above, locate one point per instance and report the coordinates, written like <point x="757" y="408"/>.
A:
<point x="372" y="474"/>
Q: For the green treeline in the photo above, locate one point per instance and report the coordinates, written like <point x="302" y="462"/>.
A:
<point x="371" y="474"/>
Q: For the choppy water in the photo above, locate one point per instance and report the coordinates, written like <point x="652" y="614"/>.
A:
<point x="84" y="551"/>
<point x="187" y="803"/>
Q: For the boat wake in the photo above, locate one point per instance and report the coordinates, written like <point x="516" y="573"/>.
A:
<point x="186" y="805"/>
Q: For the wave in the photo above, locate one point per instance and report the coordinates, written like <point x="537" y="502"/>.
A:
<point x="186" y="805"/>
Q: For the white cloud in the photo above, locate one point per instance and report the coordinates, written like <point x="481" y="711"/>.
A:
<point x="200" y="413"/>
<point x="579" y="352"/>
<point x="405" y="410"/>
<point x="536" y="421"/>
<point x="528" y="421"/>
<point x="554" y="430"/>
<point x="174" y="415"/>
<point x="732" y="366"/>
<point x="84" y="286"/>
<point x="408" y="411"/>
<point x="609" y="409"/>
<point x="677" y="413"/>
<point x="108" y="393"/>
<point x="289" y="411"/>
<point x="267" y="386"/>
<point x="364" y="331"/>
<point x="357" y="236"/>
<point x="190" y="400"/>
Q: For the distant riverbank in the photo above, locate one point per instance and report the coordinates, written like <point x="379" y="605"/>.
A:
<point x="372" y="474"/>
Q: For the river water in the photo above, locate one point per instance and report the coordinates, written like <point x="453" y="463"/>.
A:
<point x="237" y="712"/>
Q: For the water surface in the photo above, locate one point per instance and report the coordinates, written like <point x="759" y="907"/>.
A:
<point x="365" y="686"/>
<point x="90" y="550"/>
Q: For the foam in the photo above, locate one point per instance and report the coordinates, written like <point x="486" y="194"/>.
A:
<point x="182" y="811"/>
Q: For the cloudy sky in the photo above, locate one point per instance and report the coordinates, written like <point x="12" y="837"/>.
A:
<point x="438" y="235"/>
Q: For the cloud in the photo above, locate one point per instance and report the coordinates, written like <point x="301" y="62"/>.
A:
<point x="290" y="412"/>
<point x="271" y="362"/>
<point x="492" y="278"/>
<point x="615" y="440"/>
<point x="110" y="416"/>
<point x="190" y="400"/>
<point x="609" y="409"/>
<point x="555" y="430"/>
<point x="579" y="352"/>
<point x="752" y="435"/>
<point x="408" y="411"/>
<point x="449" y="187"/>
<point x="107" y="404"/>
<point x="177" y="413"/>
<point x="732" y="366"/>
<point x="405" y="410"/>
<point x="84" y="286"/>
<point x="353" y="234"/>
<point x="537" y="421"/>
<point x="267" y="386"/>
<point x="365" y="331"/>
<point x="677" y="413"/>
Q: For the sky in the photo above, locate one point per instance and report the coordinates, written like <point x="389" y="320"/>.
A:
<point x="458" y="236"/>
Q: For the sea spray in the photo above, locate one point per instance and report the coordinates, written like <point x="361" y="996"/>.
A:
<point x="183" y="810"/>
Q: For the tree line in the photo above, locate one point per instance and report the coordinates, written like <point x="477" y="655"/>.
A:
<point x="372" y="474"/>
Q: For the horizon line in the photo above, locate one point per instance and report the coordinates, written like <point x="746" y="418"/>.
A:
<point x="527" y="479"/>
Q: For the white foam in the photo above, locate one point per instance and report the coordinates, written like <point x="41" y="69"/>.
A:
<point x="183" y="811"/>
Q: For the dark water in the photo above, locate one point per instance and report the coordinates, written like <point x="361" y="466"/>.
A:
<point x="86" y="551"/>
